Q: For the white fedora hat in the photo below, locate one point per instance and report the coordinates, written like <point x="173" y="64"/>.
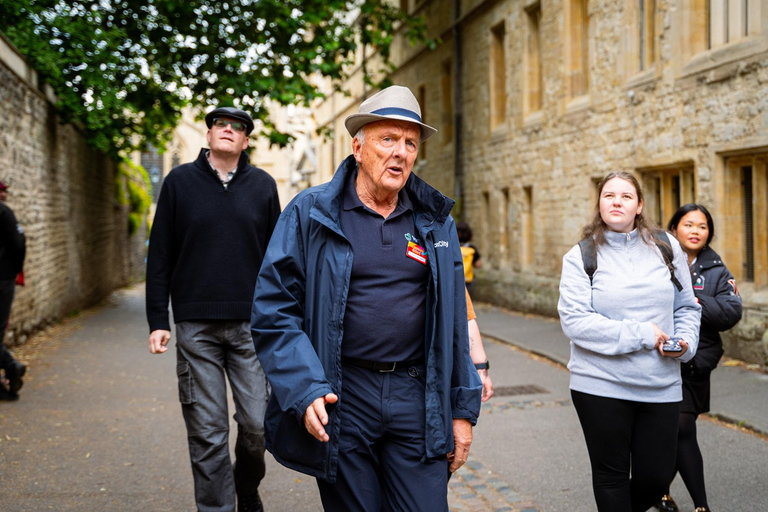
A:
<point x="394" y="102"/>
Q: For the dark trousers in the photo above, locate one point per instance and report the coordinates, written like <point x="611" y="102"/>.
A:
<point x="628" y="438"/>
<point x="7" y="290"/>
<point x="381" y="447"/>
<point x="207" y="353"/>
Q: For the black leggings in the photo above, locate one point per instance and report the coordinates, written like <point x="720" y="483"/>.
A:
<point x="689" y="461"/>
<point x="625" y="437"/>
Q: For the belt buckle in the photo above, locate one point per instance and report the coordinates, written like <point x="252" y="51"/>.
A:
<point x="388" y="369"/>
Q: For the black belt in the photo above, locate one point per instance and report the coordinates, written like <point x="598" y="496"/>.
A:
<point x="379" y="366"/>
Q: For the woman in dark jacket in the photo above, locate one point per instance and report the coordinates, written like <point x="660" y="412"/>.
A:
<point x="720" y="302"/>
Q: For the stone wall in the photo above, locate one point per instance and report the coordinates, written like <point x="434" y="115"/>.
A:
<point x="63" y="194"/>
<point x="529" y="180"/>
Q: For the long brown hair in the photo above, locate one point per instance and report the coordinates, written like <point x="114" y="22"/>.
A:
<point x="596" y="228"/>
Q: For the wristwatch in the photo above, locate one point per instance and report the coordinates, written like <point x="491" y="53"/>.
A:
<point x="483" y="366"/>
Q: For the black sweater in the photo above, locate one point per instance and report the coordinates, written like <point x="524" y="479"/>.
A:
<point x="207" y="243"/>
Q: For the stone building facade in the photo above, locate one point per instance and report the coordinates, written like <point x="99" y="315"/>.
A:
<point x="63" y="194"/>
<point x="536" y="100"/>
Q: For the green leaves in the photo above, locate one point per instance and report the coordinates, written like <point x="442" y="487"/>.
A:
<point x="124" y="69"/>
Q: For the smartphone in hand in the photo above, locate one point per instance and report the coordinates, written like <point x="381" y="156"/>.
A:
<point x="672" y="345"/>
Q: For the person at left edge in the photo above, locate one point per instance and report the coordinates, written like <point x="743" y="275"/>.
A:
<point x="360" y="322"/>
<point x="213" y="222"/>
<point x="13" y="249"/>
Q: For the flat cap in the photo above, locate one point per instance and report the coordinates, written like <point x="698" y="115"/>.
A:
<point x="232" y="113"/>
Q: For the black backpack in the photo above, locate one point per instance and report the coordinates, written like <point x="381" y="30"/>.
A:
<point x="589" y="255"/>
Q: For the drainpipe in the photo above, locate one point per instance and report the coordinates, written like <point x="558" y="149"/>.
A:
<point x="458" y="174"/>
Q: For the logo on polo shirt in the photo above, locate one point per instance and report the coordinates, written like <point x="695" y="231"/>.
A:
<point x="441" y="243"/>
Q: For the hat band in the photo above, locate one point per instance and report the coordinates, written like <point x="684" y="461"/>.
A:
<point x="399" y="112"/>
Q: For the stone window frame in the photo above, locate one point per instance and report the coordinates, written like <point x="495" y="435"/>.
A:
<point x="730" y="214"/>
<point x="497" y="76"/>
<point x="691" y="53"/>
<point x="666" y="188"/>
<point x="446" y="98"/>
<point x="641" y="54"/>
<point x="422" y="95"/>
<point x="577" y="49"/>
<point x="533" y="65"/>
<point x="527" y="227"/>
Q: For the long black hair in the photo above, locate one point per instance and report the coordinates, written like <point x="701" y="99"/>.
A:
<point x="688" y="208"/>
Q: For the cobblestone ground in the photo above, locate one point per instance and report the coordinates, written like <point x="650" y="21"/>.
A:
<point x="475" y="488"/>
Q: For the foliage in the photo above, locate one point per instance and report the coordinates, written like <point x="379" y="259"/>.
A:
<point x="124" y="69"/>
<point x="133" y="190"/>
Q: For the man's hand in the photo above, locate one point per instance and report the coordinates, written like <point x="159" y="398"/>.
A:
<point x="316" y="416"/>
<point x="158" y="340"/>
<point x="462" y="438"/>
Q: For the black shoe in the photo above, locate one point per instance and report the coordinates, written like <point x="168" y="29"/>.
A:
<point x="14" y="375"/>
<point x="667" y="504"/>
<point x="6" y="395"/>
<point x="250" y="503"/>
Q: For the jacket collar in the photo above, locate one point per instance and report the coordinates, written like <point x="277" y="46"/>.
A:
<point x="430" y="207"/>
<point x="708" y="258"/>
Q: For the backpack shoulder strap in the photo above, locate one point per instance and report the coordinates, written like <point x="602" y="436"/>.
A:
<point x="665" y="247"/>
<point x="589" y="256"/>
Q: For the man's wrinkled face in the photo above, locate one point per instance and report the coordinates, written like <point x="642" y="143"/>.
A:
<point x="387" y="155"/>
<point x="226" y="140"/>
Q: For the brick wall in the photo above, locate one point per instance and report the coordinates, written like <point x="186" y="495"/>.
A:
<point x="63" y="194"/>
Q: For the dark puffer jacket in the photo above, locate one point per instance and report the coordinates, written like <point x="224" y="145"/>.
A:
<point x="715" y="288"/>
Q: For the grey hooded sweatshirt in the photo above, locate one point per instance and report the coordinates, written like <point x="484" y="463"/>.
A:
<point x="610" y="323"/>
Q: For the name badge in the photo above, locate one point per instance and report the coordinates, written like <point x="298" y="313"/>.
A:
<point x="416" y="252"/>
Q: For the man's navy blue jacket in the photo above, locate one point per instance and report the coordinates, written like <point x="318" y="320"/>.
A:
<point x="298" y="318"/>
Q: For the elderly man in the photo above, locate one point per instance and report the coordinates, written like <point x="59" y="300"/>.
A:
<point x="213" y="223"/>
<point x="360" y="322"/>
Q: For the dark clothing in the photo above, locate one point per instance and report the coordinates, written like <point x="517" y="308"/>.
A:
<point x="386" y="284"/>
<point x="382" y="445"/>
<point x="205" y="251"/>
<point x="690" y="463"/>
<point x="715" y="290"/>
<point x="7" y="290"/>
<point x="207" y="243"/>
<point x="626" y="438"/>
<point x="13" y="246"/>
<point x="298" y="317"/>
<point x="12" y="252"/>
<point x="205" y="353"/>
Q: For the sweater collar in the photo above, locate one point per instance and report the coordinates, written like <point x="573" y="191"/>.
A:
<point x="615" y="239"/>
<point x="202" y="161"/>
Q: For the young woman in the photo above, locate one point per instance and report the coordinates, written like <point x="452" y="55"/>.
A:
<point x="720" y="302"/>
<point x="624" y="386"/>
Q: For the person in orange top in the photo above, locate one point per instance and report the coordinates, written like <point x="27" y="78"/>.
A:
<point x="477" y="352"/>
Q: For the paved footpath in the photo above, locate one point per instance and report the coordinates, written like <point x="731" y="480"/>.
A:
<point x="98" y="428"/>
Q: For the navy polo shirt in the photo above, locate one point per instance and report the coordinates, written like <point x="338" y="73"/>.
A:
<point x="386" y="304"/>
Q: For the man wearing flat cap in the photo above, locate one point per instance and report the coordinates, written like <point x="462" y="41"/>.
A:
<point x="211" y="228"/>
<point x="359" y="320"/>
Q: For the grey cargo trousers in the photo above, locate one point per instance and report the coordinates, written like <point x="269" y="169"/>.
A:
<point x="206" y="352"/>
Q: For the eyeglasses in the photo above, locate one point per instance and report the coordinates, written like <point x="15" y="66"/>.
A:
<point x="222" y="123"/>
